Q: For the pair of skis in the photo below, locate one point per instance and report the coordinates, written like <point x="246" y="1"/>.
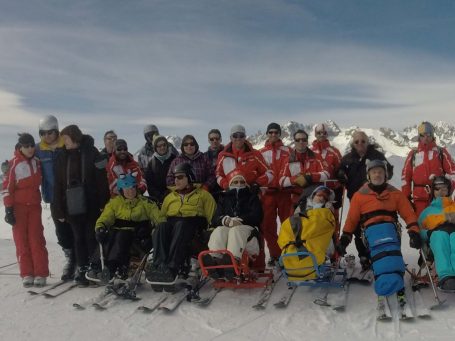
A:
<point x="55" y="290"/>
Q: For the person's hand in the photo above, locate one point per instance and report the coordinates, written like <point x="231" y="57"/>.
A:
<point x="101" y="234"/>
<point x="415" y="241"/>
<point x="343" y="243"/>
<point x="10" y="218"/>
<point x="450" y="217"/>
<point x="342" y="177"/>
<point x="235" y="221"/>
<point x="62" y="220"/>
<point x="226" y="221"/>
<point x="301" y="180"/>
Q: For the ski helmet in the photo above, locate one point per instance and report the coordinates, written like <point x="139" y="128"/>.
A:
<point x="426" y="128"/>
<point x="370" y="164"/>
<point x="186" y="169"/>
<point x="126" y="181"/>
<point x="48" y="123"/>
<point x="441" y="181"/>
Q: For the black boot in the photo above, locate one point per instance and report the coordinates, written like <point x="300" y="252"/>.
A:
<point x="69" y="267"/>
<point x="79" y="276"/>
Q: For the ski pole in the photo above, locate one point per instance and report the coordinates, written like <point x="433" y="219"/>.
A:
<point x="5" y="266"/>
<point x="105" y="275"/>
<point x="436" y="296"/>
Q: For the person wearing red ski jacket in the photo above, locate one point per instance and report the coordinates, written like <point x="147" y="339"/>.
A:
<point x="422" y="165"/>
<point x="122" y="162"/>
<point x="275" y="201"/>
<point x="302" y="168"/>
<point x="239" y="154"/>
<point x="22" y="200"/>
<point x="330" y="155"/>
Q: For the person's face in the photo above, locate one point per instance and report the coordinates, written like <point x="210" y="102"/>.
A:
<point x="273" y="135"/>
<point x="441" y="191"/>
<point x="319" y="198"/>
<point x="109" y="142"/>
<point x="425" y="139"/>
<point x="214" y="140"/>
<point x="377" y="176"/>
<point x="360" y="143"/>
<point x="321" y="135"/>
<point x="301" y="142"/>
<point x="189" y="147"/>
<point x="238" y="140"/>
<point x="49" y="136"/>
<point x="121" y="152"/>
<point x="69" y="143"/>
<point x="28" y="150"/>
<point x="181" y="181"/>
<point x="130" y="193"/>
<point x="161" y="147"/>
<point x="238" y="182"/>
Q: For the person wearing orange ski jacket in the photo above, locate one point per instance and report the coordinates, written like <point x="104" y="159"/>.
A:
<point x="239" y="154"/>
<point x="422" y="165"/>
<point x="275" y="201"/>
<point x="122" y="162"/>
<point x="22" y="200"/>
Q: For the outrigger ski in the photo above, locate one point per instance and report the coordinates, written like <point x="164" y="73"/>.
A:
<point x="53" y="286"/>
<point x="286" y="298"/>
<point x="71" y="286"/>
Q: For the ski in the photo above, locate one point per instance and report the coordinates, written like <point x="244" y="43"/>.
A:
<point x="103" y="304"/>
<point x="286" y="298"/>
<point x="340" y="303"/>
<point x="53" y="286"/>
<point x="60" y="292"/>
<point x="186" y="292"/>
<point x="267" y="293"/>
<point x="421" y="310"/>
<point x="205" y="301"/>
<point x="90" y="301"/>
<point x="150" y="309"/>
<point x="399" y="307"/>
<point x="383" y="310"/>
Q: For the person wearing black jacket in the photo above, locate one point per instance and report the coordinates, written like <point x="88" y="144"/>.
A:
<point x="352" y="173"/>
<point x="237" y="217"/>
<point x="80" y="193"/>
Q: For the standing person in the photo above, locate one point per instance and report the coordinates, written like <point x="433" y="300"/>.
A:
<point x="353" y="175"/>
<point x="47" y="150"/>
<point x="302" y="167"/>
<point x="422" y="165"/>
<point x="188" y="208"/>
<point x="122" y="162"/>
<point x="22" y="200"/>
<point x="109" y="144"/>
<point x="214" y="149"/>
<point x="146" y="152"/>
<point x="157" y="169"/>
<point x="275" y="201"/>
<point x="374" y="207"/>
<point x="202" y="169"/>
<point x="80" y="193"/>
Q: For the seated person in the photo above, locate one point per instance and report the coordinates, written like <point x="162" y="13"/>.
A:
<point x="188" y="208"/>
<point x="237" y="217"/>
<point x="310" y="230"/>
<point x="125" y="218"/>
<point x="437" y="224"/>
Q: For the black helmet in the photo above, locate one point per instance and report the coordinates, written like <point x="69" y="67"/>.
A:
<point x="187" y="169"/>
<point x="440" y="181"/>
<point x="370" y="164"/>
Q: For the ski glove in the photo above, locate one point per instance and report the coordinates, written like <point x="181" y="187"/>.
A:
<point x="415" y="241"/>
<point x="301" y="180"/>
<point x="450" y="217"/>
<point x="10" y="218"/>
<point x="341" y="176"/>
<point x="343" y="243"/>
<point x="101" y="234"/>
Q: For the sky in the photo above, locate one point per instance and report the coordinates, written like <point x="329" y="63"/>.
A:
<point x="189" y="66"/>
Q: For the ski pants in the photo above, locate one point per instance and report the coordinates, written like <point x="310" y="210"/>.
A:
<point x="234" y="239"/>
<point x="172" y="240"/>
<point x="28" y="236"/>
<point x="274" y="204"/>
<point x="84" y="239"/>
<point x="63" y="231"/>
<point x="442" y="243"/>
<point x="118" y="249"/>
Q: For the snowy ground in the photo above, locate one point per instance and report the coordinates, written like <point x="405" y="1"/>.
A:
<point x="229" y="317"/>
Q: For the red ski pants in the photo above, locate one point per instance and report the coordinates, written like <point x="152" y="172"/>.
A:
<point x="274" y="204"/>
<point x="28" y="236"/>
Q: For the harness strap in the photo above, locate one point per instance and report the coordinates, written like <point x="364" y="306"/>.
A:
<point x="384" y="254"/>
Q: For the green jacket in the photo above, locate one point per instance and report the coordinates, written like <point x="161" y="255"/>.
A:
<point x="125" y="214"/>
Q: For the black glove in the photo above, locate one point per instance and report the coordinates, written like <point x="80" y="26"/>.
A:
<point x="255" y="188"/>
<point x="101" y="234"/>
<point x="415" y="241"/>
<point x="342" y="244"/>
<point x="341" y="176"/>
<point x="10" y="218"/>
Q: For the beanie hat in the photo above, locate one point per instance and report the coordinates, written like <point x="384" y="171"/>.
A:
<point x="121" y="143"/>
<point x="74" y="133"/>
<point x="26" y="139"/>
<point x="426" y="128"/>
<point x="238" y="129"/>
<point x="186" y="139"/>
<point x="157" y="139"/>
<point x="127" y="181"/>
<point x="235" y="174"/>
<point x="275" y="126"/>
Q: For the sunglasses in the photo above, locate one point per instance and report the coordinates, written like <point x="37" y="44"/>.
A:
<point x="425" y="135"/>
<point x="180" y="177"/>
<point x="441" y="187"/>
<point x="238" y="135"/>
<point x="301" y="140"/>
<point x="238" y="182"/>
<point x="122" y="149"/>
<point x="273" y="132"/>
<point x="111" y="138"/>
<point x="26" y="146"/>
<point x="214" y="139"/>
<point x="321" y="133"/>
<point x="192" y="144"/>
<point x="47" y="132"/>
<point x="360" y="142"/>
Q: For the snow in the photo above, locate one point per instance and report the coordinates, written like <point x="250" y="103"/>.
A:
<point x="229" y="317"/>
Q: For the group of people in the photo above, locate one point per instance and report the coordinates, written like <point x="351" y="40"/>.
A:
<point x="228" y="197"/>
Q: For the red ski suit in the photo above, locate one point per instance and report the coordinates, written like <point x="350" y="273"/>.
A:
<point x="275" y="200"/>
<point x="116" y="167"/>
<point x="21" y="192"/>
<point x="330" y="156"/>
<point x="420" y="165"/>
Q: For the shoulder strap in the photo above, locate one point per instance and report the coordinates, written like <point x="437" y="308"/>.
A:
<point x="441" y="158"/>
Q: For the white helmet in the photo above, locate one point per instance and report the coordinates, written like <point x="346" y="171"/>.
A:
<point x="48" y="123"/>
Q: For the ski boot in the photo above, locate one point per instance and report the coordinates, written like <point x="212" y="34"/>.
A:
<point x="70" y="266"/>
